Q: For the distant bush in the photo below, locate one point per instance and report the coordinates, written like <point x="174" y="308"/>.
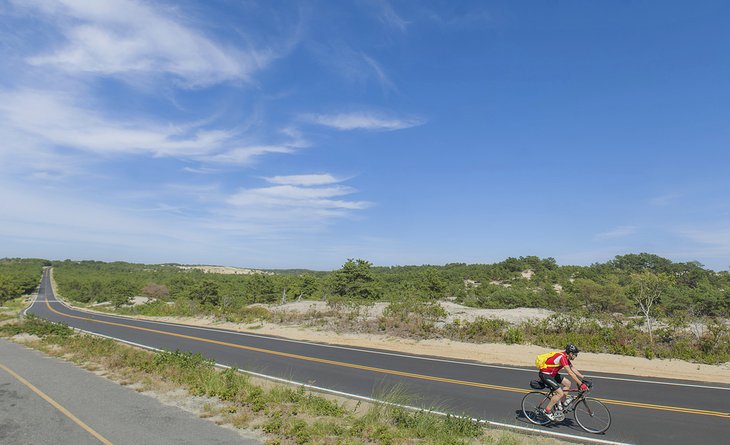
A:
<point x="513" y="335"/>
<point x="410" y="307"/>
<point x="158" y="291"/>
<point x="248" y="314"/>
<point x="480" y="330"/>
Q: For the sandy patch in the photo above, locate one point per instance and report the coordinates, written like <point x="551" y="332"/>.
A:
<point x="136" y="301"/>
<point x="514" y="316"/>
<point x="454" y="311"/>
<point x="225" y="270"/>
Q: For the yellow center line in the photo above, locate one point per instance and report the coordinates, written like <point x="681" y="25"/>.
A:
<point x="56" y="405"/>
<point x="391" y="371"/>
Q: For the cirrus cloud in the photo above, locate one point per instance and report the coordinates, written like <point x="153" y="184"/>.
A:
<point x="126" y="37"/>
<point x="306" y="180"/>
<point x="362" y="121"/>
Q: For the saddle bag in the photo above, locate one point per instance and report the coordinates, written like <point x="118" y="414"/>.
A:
<point x="537" y="384"/>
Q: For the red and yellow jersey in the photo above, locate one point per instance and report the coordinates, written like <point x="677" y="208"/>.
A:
<point x="555" y="363"/>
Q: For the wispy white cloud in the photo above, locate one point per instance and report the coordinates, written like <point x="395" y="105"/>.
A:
<point x="61" y="118"/>
<point x="618" y="232"/>
<point x="383" y="78"/>
<point x="245" y="155"/>
<point x="55" y="121"/>
<point x="294" y="196"/>
<point x="295" y="137"/>
<point x="300" y="202"/>
<point x="354" y="65"/>
<point x="22" y="154"/>
<point x="362" y="121"/>
<point x="201" y="170"/>
<point x="126" y="37"/>
<point x="305" y="180"/>
<point x="388" y="16"/>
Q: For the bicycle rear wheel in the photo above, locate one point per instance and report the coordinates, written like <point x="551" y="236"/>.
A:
<point x="592" y="415"/>
<point x="533" y="406"/>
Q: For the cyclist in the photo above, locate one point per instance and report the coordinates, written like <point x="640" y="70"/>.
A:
<point x="550" y="376"/>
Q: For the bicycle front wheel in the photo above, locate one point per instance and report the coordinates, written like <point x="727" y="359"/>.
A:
<point x="533" y="407"/>
<point x="592" y="415"/>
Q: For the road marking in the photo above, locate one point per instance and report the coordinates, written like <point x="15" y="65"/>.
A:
<point x="439" y="413"/>
<point x="391" y="371"/>
<point x="372" y="400"/>
<point x="392" y="354"/>
<point x="56" y="405"/>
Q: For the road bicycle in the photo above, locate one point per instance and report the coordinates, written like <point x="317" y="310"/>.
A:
<point x="591" y="414"/>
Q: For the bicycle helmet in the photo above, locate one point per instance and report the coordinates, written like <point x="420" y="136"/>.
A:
<point x="572" y="349"/>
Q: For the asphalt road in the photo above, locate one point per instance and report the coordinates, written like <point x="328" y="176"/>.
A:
<point x="44" y="400"/>
<point x="644" y="411"/>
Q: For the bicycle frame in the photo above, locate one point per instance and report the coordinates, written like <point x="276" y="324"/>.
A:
<point x="590" y="413"/>
<point x="570" y="407"/>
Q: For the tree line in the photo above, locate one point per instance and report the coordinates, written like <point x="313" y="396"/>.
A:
<point x="620" y="285"/>
<point x="635" y="304"/>
<point x="19" y="277"/>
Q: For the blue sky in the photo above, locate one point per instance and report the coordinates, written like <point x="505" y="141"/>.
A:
<point x="282" y="134"/>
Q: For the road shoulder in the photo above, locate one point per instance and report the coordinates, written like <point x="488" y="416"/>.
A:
<point x="117" y="413"/>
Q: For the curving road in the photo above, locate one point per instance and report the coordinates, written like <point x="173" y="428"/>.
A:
<point x="656" y="411"/>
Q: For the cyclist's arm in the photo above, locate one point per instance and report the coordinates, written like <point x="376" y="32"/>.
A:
<point x="577" y="376"/>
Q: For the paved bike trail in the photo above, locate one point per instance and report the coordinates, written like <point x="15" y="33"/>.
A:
<point x="39" y="396"/>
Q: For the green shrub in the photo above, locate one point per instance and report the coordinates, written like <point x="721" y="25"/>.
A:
<point x="649" y="353"/>
<point x="409" y="307"/>
<point x="248" y="314"/>
<point x="299" y="431"/>
<point x="481" y="329"/>
<point x="273" y="425"/>
<point x="514" y="335"/>
<point x="36" y="326"/>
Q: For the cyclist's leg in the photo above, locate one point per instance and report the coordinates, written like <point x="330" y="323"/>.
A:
<point x="552" y="383"/>
<point x="566" y="384"/>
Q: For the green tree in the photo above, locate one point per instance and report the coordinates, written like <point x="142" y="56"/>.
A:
<point x="8" y="289"/>
<point x="307" y="286"/>
<point x="433" y="284"/>
<point x="355" y="280"/>
<point x="639" y="262"/>
<point x="598" y="297"/>
<point x="206" y="292"/>
<point x="260" y="288"/>
<point x="119" y="292"/>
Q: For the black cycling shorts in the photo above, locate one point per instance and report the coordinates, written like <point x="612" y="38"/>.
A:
<point x="551" y="381"/>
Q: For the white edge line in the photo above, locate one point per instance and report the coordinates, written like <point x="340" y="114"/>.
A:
<point x="392" y="354"/>
<point x="369" y="399"/>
